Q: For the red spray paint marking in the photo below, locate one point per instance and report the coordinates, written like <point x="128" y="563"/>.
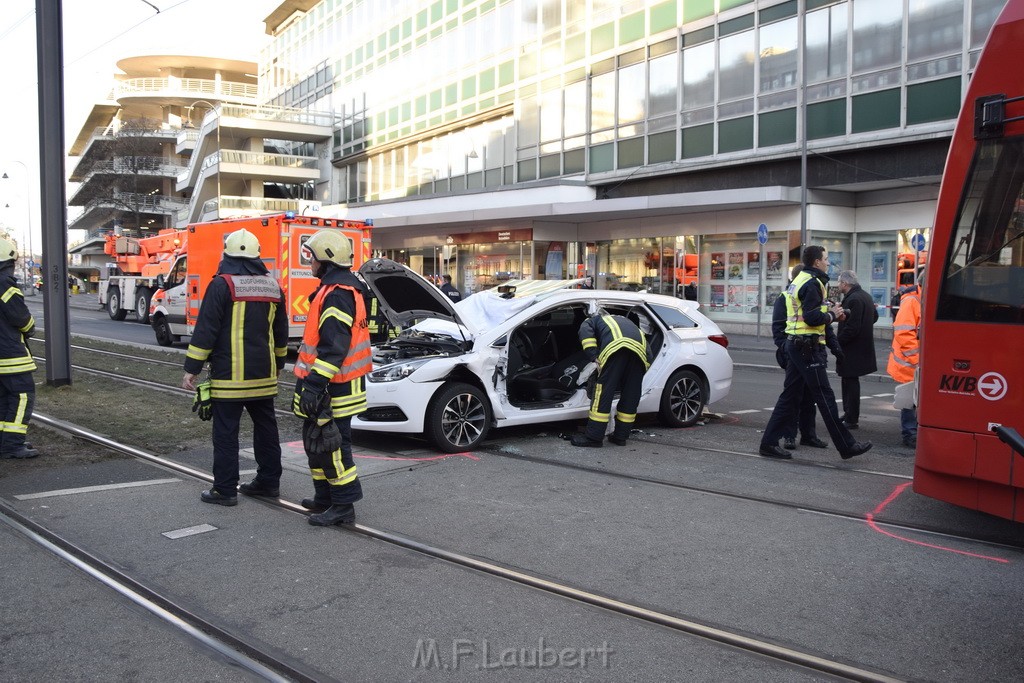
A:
<point x="435" y="457"/>
<point x="870" y="517"/>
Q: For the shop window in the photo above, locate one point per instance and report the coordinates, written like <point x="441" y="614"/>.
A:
<point x="631" y="28"/>
<point x="602" y="158"/>
<point x="826" y="119"/>
<point x="663" y="17"/>
<point x="876" y="110"/>
<point x="698" y="141"/>
<point x="602" y="38"/>
<point x="736" y="134"/>
<point x="776" y="128"/>
<point x="933" y="101"/>
<point x="661" y="147"/>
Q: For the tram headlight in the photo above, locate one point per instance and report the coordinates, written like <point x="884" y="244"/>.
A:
<point x="397" y="371"/>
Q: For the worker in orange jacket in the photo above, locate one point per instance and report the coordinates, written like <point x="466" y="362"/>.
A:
<point x="906" y="353"/>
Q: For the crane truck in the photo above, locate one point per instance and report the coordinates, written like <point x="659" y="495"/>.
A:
<point x="179" y="294"/>
<point x="129" y="282"/>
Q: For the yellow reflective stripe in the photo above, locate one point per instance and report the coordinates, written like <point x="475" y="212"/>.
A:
<point x="589" y="343"/>
<point x="625" y="417"/>
<point x="347" y="475"/>
<point x="594" y="413"/>
<point x="272" y="355"/>
<point x="238" y="340"/>
<point x="318" y="474"/>
<point x="27" y="326"/>
<point x="324" y="368"/>
<point x="12" y="366"/>
<point x="242" y="389"/>
<point x="11" y="291"/>
<point x="613" y="326"/>
<point x="196" y="353"/>
<point x="333" y="312"/>
<point x="19" y="416"/>
<point x="280" y="351"/>
<point x="13" y="428"/>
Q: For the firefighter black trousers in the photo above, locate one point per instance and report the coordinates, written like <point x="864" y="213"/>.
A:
<point x="266" y="443"/>
<point x="623" y="372"/>
<point x="337" y="469"/>
<point x="17" y="396"/>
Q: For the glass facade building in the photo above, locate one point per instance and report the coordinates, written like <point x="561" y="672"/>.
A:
<point x="685" y="120"/>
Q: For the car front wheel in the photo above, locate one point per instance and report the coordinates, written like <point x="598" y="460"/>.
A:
<point x="458" y="418"/>
<point x="683" y="400"/>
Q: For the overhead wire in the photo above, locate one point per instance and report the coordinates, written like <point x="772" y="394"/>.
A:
<point x="127" y="30"/>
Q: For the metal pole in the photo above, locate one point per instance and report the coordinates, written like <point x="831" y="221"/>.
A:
<point x="53" y="214"/>
<point x="25" y="265"/>
<point x="802" y="13"/>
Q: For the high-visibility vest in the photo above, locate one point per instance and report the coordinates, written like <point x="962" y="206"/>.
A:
<point x="795" y="323"/>
<point x="358" y="360"/>
<point x="906" y="346"/>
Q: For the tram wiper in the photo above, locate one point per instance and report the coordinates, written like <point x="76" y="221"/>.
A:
<point x="995" y="251"/>
<point x="1010" y="436"/>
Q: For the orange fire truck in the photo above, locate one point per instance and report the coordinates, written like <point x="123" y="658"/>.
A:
<point x="128" y="283"/>
<point x="175" y="305"/>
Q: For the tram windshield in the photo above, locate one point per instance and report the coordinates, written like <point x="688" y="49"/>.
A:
<point x="984" y="270"/>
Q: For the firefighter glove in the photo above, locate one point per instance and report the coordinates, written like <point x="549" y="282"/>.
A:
<point x="202" y="405"/>
<point x="330" y="437"/>
<point x="308" y="400"/>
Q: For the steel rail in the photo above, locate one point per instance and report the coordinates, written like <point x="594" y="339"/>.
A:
<point x="745" y="643"/>
<point x="251" y="657"/>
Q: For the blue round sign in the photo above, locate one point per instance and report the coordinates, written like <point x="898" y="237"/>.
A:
<point x="917" y="242"/>
<point x="762" y="233"/>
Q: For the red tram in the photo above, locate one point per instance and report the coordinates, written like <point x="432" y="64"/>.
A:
<point x="971" y="377"/>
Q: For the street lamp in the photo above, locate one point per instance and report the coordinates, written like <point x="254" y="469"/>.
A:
<point x="216" y="113"/>
<point x="26" y="269"/>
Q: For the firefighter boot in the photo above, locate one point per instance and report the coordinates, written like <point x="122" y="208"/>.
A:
<point x="336" y="514"/>
<point x="321" y="499"/>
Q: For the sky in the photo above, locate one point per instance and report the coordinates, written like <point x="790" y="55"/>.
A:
<point x="96" y="36"/>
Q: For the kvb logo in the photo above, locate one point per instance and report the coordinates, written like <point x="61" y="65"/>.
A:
<point x="991" y="386"/>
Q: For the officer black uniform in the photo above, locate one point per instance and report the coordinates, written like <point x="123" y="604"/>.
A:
<point x="242" y="330"/>
<point x="17" y="387"/>
<point x="806" y="361"/>
<point x="450" y="291"/>
<point x="620" y="349"/>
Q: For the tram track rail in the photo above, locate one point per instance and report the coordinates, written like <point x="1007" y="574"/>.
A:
<point x="883" y="520"/>
<point x="682" y="624"/>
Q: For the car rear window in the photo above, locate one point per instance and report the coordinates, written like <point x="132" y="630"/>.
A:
<point x="673" y="317"/>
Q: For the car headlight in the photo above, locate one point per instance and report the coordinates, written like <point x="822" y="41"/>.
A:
<point x="396" y="371"/>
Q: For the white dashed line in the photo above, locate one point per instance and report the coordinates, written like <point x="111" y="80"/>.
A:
<point x="744" y="412"/>
<point x="189" y="531"/>
<point x="91" y="489"/>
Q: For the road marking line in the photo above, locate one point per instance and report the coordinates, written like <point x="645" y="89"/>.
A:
<point x="189" y="531"/>
<point x="90" y="489"/>
<point x="744" y="412"/>
<point x="883" y="395"/>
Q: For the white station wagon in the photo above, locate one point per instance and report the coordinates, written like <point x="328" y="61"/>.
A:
<point x="513" y="357"/>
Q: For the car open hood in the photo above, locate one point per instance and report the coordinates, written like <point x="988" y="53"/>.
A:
<point x="404" y="295"/>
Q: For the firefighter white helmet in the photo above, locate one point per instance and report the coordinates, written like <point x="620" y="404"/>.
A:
<point x="330" y="246"/>
<point x="8" y="252"/>
<point x="242" y="244"/>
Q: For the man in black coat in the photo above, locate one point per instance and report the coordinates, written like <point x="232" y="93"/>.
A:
<point x="858" y="344"/>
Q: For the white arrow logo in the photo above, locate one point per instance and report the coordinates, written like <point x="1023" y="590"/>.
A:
<point x="992" y="386"/>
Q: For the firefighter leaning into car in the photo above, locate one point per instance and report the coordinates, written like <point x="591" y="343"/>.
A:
<point x="334" y="356"/>
<point x="808" y="315"/>
<point x="242" y="330"/>
<point x="17" y="387"/>
<point x="620" y="350"/>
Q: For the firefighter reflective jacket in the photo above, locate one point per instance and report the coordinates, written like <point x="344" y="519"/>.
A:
<point x="18" y="324"/>
<point x="906" y="345"/>
<point x="336" y="342"/>
<point x="603" y="335"/>
<point x="242" y="330"/>
<point x="806" y="310"/>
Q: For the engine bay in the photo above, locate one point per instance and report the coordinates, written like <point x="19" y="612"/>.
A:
<point x="415" y="344"/>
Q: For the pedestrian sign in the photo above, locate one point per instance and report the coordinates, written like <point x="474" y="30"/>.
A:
<point x="762" y="233"/>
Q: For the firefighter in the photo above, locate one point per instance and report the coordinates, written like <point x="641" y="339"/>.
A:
<point x="334" y="356"/>
<point x="17" y="387"/>
<point x="242" y="330"/>
<point x="620" y="350"/>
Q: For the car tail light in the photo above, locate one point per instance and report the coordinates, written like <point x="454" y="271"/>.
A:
<point x="719" y="339"/>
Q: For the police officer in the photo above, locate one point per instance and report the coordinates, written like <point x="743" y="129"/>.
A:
<point x="620" y="350"/>
<point x="807" y="317"/>
<point x="450" y="291"/>
<point x="17" y="387"/>
<point x="333" y="358"/>
<point x="242" y="330"/>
